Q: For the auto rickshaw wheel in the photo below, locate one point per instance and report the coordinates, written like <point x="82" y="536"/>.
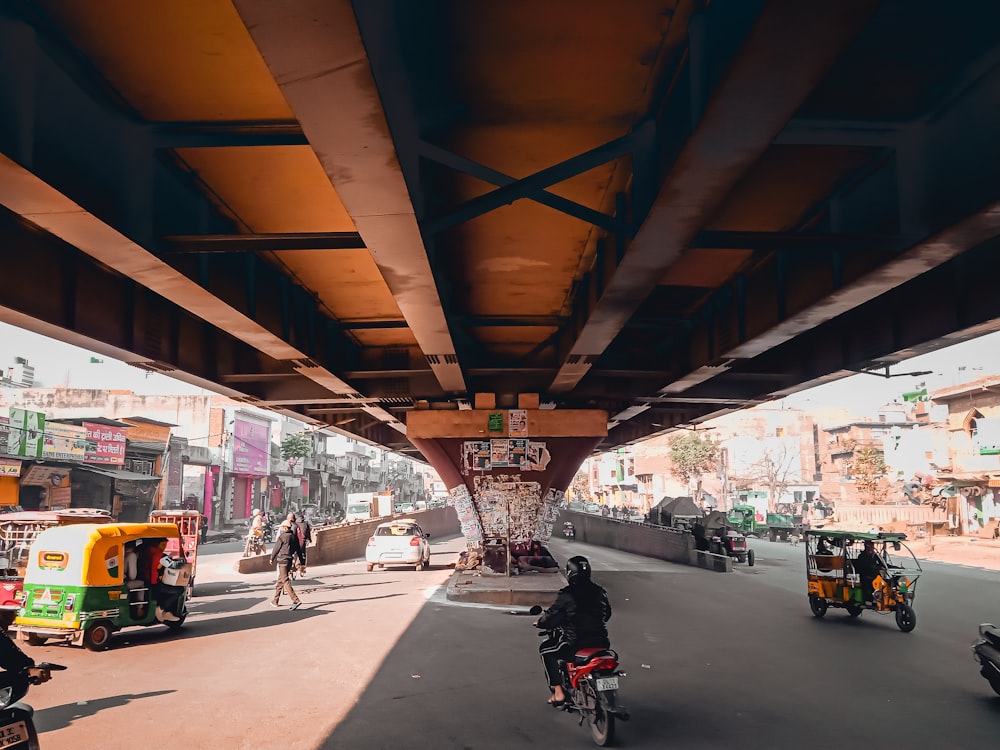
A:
<point x="817" y="605"/>
<point x="176" y="625"/>
<point x="751" y="558"/>
<point x="98" y="636"/>
<point x="854" y="610"/>
<point x="906" y="618"/>
<point x="34" y="639"/>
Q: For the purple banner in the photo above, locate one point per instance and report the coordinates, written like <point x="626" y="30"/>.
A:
<point x="251" y="448"/>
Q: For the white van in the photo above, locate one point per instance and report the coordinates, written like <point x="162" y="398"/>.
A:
<point x="358" y="512"/>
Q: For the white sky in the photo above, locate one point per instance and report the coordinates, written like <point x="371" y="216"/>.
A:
<point x="59" y="364"/>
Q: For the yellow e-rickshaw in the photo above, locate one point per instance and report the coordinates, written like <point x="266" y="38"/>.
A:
<point x="86" y="581"/>
<point x="856" y="571"/>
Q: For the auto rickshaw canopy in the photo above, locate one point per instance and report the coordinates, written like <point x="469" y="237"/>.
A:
<point x="88" y="554"/>
<point x="848" y="536"/>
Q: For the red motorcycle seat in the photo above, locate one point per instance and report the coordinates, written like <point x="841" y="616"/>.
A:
<point x="584" y="655"/>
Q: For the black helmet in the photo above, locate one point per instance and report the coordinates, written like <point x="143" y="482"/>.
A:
<point x="577" y="566"/>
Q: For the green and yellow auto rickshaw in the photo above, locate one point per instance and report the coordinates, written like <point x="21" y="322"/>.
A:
<point x="856" y="571"/>
<point x="86" y="581"/>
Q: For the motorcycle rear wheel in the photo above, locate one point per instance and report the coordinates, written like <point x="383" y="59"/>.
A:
<point x="602" y="724"/>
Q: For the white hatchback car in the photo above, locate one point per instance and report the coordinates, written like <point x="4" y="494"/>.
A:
<point x="399" y="542"/>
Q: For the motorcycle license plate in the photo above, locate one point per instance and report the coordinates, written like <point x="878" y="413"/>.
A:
<point x="607" y="683"/>
<point x="13" y="734"/>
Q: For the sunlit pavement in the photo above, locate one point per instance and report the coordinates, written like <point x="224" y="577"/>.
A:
<point x="240" y="674"/>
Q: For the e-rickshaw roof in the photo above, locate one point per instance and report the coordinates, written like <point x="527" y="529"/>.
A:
<point x="881" y="536"/>
<point x="87" y="554"/>
<point x="86" y="534"/>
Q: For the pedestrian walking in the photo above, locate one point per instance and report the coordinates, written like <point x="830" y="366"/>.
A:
<point x="286" y="548"/>
<point x="303" y="530"/>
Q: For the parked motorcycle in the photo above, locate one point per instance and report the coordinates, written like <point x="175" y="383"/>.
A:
<point x="591" y="683"/>
<point x="987" y="653"/>
<point x="569" y="530"/>
<point x="17" y="727"/>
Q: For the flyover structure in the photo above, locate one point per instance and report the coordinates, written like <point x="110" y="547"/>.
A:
<point x="373" y="213"/>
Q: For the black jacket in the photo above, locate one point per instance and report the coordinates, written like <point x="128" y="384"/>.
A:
<point x="581" y="611"/>
<point x="286" y="547"/>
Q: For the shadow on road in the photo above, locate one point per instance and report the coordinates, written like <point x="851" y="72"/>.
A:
<point x="60" y="717"/>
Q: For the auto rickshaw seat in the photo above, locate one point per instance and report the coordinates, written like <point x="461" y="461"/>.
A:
<point x="829" y="563"/>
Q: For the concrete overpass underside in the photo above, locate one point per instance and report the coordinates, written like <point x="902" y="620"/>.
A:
<point x="662" y="209"/>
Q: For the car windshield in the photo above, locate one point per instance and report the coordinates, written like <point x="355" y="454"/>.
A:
<point x="357" y="508"/>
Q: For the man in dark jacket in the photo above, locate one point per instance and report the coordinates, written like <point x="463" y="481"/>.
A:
<point x="285" y="548"/>
<point x="577" y="620"/>
<point x="304" y="533"/>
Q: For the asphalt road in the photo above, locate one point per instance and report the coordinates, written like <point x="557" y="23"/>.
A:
<point x="383" y="660"/>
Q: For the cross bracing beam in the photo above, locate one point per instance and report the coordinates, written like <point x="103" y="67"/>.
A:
<point x="472" y="168"/>
<point x="528" y="187"/>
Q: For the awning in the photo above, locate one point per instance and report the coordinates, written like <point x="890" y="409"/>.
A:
<point x="130" y="476"/>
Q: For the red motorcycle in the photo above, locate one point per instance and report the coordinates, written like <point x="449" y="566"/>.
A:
<point x="591" y="683"/>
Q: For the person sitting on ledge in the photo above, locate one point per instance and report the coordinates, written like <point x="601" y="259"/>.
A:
<point x="538" y="559"/>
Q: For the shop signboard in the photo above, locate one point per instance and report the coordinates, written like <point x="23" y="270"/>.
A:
<point x="26" y="433"/>
<point x="64" y="442"/>
<point x="10" y="467"/>
<point x="105" y="444"/>
<point x="251" y="447"/>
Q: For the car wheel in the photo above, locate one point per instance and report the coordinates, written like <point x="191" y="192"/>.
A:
<point x="370" y="567"/>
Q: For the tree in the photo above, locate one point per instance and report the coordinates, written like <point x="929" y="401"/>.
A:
<point x="581" y="487"/>
<point x="296" y="447"/>
<point x="774" y="470"/>
<point x="691" y="456"/>
<point x="868" y="468"/>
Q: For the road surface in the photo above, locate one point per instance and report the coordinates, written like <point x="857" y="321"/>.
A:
<point x="383" y="660"/>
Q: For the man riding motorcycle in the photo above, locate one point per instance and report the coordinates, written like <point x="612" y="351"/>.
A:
<point x="577" y="620"/>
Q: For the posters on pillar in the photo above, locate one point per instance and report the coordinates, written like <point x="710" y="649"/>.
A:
<point x="518" y="453"/>
<point x="508" y="508"/>
<point x="475" y="456"/>
<point x="465" y="509"/>
<point x="538" y="456"/>
<point x="549" y="514"/>
<point x="499" y="453"/>
<point x="517" y="423"/>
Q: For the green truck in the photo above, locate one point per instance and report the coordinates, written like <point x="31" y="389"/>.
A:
<point x="777" y="526"/>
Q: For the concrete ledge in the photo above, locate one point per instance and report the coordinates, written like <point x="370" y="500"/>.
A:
<point x="661" y="542"/>
<point x="710" y="561"/>
<point x="347" y="541"/>
<point x="522" y="591"/>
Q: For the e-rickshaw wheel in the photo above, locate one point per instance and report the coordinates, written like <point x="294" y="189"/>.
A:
<point x="176" y="625"/>
<point x="906" y="618"/>
<point x="98" y="636"/>
<point x="34" y="639"/>
<point x="817" y="605"/>
<point x="854" y="610"/>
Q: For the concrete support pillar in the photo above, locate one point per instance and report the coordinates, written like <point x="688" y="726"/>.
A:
<point x="507" y="470"/>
